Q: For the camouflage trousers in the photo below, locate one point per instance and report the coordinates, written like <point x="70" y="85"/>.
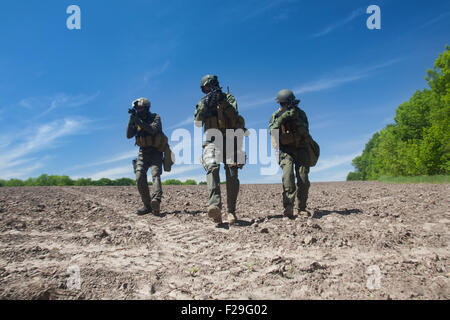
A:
<point x="149" y="158"/>
<point x="211" y="162"/>
<point x="295" y="160"/>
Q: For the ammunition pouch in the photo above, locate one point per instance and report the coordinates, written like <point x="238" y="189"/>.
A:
<point x="158" y="141"/>
<point x="227" y="118"/>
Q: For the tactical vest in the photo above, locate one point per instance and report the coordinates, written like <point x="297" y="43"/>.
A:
<point x="158" y="141"/>
<point x="227" y="118"/>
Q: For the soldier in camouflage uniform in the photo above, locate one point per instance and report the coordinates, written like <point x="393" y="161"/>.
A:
<point x="145" y="126"/>
<point x="293" y="127"/>
<point x="218" y="110"/>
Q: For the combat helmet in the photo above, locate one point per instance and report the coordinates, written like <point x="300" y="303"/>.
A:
<point x="285" y="96"/>
<point x="142" y="102"/>
<point x="209" y="79"/>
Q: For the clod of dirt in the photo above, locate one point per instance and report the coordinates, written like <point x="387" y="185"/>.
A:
<point x="313" y="267"/>
<point x="309" y="240"/>
<point x="103" y="234"/>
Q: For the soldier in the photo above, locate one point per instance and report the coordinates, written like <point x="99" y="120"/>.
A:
<point x="147" y="129"/>
<point x="218" y="110"/>
<point x="294" y="137"/>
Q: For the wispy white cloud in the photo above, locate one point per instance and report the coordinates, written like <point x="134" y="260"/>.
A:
<point x="20" y="173"/>
<point x="262" y="7"/>
<point x="435" y="20"/>
<point x="115" y="158"/>
<point x="332" y="81"/>
<point x="143" y="80"/>
<point x="327" y="82"/>
<point x="332" y="162"/>
<point x="45" y="105"/>
<point x="185" y="122"/>
<point x="355" y="14"/>
<point x="43" y="137"/>
<point x="250" y="105"/>
<point x="156" y="71"/>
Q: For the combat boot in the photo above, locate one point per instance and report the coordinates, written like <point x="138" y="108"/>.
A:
<point x="304" y="213"/>
<point x="156" y="207"/>
<point x="215" y="213"/>
<point x="231" y="218"/>
<point x="289" y="212"/>
<point x="144" y="210"/>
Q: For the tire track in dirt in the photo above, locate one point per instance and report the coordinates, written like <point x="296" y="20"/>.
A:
<point x="174" y="243"/>
<point x="402" y="229"/>
<point x="186" y="251"/>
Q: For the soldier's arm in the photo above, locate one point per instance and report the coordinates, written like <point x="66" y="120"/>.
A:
<point x="277" y="119"/>
<point x="273" y="138"/>
<point x="232" y="101"/>
<point x="200" y="112"/>
<point x="229" y="105"/>
<point x="131" y="128"/>
<point x="153" y="127"/>
<point x="271" y="124"/>
<point x="304" y="128"/>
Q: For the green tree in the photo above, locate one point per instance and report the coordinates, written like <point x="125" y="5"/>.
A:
<point x="172" y="182"/>
<point x="124" y="182"/>
<point x="83" y="182"/>
<point x="103" y="182"/>
<point x="418" y="143"/>
<point x="15" y="183"/>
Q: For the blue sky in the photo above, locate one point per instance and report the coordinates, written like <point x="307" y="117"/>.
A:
<point x="64" y="94"/>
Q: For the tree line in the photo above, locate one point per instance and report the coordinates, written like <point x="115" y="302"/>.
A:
<point x="55" y="180"/>
<point x="418" y="142"/>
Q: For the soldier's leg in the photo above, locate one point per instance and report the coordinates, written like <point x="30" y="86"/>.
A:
<point x="212" y="168"/>
<point x="288" y="179"/>
<point x="142" y="184"/>
<point x="231" y="174"/>
<point x="156" y="167"/>
<point x="213" y="182"/>
<point x="302" y="186"/>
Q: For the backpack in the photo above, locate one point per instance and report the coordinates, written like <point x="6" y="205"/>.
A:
<point x="313" y="151"/>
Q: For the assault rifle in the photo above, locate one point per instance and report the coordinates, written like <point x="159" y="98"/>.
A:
<point x="212" y="98"/>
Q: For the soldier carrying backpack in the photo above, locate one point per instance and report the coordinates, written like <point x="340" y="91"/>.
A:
<point x="297" y="151"/>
